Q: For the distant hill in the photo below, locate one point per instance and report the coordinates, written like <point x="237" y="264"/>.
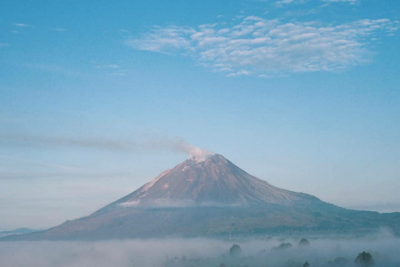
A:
<point x="17" y="231"/>
<point x="214" y="198"/>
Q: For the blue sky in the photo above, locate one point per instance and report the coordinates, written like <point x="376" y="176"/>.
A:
<point x="304" y="94"/>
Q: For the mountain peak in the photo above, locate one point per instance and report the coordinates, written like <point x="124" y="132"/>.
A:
<point x="200" y="155"/>
<point x="211" y="158"/>
<point x="205" y="181"/>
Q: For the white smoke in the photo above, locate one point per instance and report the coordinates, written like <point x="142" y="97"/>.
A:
<point x="180" y="145"/>
<point x="197" y="154"/>
<point x="107" y="144"/>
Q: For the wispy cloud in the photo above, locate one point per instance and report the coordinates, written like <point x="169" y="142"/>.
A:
<point x="112" y="69"/>
<point x="58" y="30"/>
<point x="52" y="68"/>
<point x="25" y="139"/>
<point x="262" y="47"/>
<point x="164" y="39"/>
<point x="113" y="66"/>
<point x="42" y="163"/>
<point x="336" y="1"/>
<point x="239" y="73"/>
<point x="3" y="45"/>
<point x="282" y="3"/>
<point x="108" y="66"/>
<point x="120" y="73"/>
<point x="22" y="25"/>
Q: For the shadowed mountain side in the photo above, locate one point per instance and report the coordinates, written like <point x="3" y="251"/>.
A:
<point x="214" y="198"/>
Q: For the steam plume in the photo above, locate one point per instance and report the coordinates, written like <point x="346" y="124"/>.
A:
<point x="107" y="144"/>
<point x="180" y="145"/>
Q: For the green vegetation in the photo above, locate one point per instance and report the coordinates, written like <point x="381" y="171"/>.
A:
<point x="304" y="242"/>
<point x="364" y="259"/>
<point x="235" y="250"/>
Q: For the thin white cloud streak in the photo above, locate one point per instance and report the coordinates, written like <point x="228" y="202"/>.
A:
<point x="61" y="141"/>
<point x="113" y="69"/>
<point x="162" y="39"/>
<point x="22" y="25"/>
<point x="178" y="145"/>
<point x="42" y="163"/>
<point x="113" y="66"/>
<point x="108" y="66"/>
<point x="263" y="47"/>
<point x="58" y="30"/>
<point x="54" y="69"/>
<point x="282" y="3"/>
<point x="345" y="1"/>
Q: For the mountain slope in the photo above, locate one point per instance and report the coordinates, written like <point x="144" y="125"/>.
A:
<point x="214" y="197"/>
<point x="215" y="181"/>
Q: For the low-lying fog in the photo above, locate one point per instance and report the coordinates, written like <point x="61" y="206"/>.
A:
<point x="384" y="249"/>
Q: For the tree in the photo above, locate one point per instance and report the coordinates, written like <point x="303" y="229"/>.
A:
<point x="306" y="264"/>
<point x="282" y="246"/>
<point x="235" y="250"/>
<point x="304" y="242"/>
<point x="364" y="259"/>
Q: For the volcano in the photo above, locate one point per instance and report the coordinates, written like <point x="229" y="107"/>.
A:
<point x="212" y="197"/>
<point x="214" y="181"/>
